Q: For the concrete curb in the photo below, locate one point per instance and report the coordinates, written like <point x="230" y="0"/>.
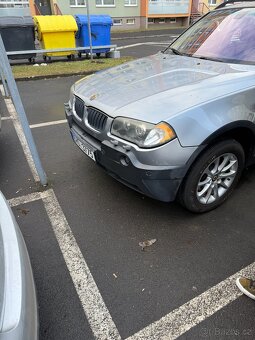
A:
<point x="52" y="76"/>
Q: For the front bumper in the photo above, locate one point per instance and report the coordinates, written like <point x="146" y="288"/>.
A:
<point x="159" y="182"/>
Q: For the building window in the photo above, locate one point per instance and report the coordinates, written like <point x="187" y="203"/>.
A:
<point x="130" y="21"/>
<point x="130" y="2"/>
<point x="14" y="3"/>
<point x="117" y="22"/>
<point x="162" y="21"/>
<point x="105" y="3"/>
<point x="77" y="3"/>
<point x="151" y="21"/>
<point x="212" y="2"/>
<point x="172" y="20"/>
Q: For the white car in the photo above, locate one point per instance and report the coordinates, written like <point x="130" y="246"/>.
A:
<point x="18" y="304"/>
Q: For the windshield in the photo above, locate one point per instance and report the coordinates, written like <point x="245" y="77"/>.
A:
<point x="223" y="35"/>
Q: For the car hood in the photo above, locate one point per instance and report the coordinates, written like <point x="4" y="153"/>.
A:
<point x="157" y="87"/>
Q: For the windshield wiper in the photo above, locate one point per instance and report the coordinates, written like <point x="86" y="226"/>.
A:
<point x="208" y="58"/>
<point x="175" y="51"/>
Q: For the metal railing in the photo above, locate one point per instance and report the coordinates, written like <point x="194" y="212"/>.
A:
<point x="11" y="89"/>
<point x="203" y="8"/>
<point x="37" y="10"/>
<point x="200" y="9"/>
<point x="57" y="10"/>
<point x="69" y="49"/>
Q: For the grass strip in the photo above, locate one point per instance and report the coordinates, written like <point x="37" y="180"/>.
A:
<point x="60" y="68"/>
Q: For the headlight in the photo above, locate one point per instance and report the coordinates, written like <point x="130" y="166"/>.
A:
<point x="143" y="134"/>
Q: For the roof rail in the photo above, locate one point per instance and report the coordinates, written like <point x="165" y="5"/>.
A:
<point x="232" y="2"/>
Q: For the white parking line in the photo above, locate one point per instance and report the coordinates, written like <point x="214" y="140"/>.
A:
<point x="144" y="43"/>
<point x="25" y="199"/>
<point x="128" y="46"/>
<point x="182" y="319"/>
<point x="34" y="126"/>
<point x="6" y="118"/>
<point x="2" y="90"/>
<point x="146" y="36"/>
<point x="92" y="302"/>
<point x="54" y="122"/>
<point x="98" y="316"/>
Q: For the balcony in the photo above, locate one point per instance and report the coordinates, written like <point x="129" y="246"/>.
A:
<point x="166" y="7"/>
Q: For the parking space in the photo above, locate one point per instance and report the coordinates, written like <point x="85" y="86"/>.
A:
<point x="60" y="313"/>
<point x="15" y="176"/>
<point x="83" y="233"/>
<point x="142" y="46"/>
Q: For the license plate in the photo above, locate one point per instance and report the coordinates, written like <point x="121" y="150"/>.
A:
<point x="85" y="148"/>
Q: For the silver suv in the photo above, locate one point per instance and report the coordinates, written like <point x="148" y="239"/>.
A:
<point x="179" y="123"/>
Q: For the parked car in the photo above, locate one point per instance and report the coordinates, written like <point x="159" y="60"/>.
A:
<point x="179" y="123"/>
<point x="18" y="305"/>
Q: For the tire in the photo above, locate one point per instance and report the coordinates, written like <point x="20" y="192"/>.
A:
<point x="212" y="177"/>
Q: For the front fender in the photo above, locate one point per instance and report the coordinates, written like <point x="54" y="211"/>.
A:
<point x="199" y="124"/>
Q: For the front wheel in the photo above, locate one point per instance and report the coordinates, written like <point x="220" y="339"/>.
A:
<point x="213" y="177"/>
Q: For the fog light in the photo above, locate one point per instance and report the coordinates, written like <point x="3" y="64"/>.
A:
<point x="124" y="160"/>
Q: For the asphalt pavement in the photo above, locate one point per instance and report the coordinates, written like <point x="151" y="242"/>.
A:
<point x="92" y="272"/>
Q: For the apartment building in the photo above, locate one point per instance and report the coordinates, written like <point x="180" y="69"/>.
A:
<point x="125" y="13"/>
<point x="133" y="14"/>
<point x="212" y="3"/>
<point x="166" y="12"/>
<point x="14" y="7"/>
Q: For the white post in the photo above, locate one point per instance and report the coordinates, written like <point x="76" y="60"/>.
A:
<point x="89" y="30"/>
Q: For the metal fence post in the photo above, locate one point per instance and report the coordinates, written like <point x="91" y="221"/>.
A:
<point x="89" y="31"/>
<point x="7" y="73"/>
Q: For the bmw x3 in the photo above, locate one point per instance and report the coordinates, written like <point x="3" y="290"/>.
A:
<point x="181" y="123"/>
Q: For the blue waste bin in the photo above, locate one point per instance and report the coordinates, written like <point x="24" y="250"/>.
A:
<point x="100" y="32"/>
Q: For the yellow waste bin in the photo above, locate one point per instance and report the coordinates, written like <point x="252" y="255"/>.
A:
<point x="56" y="31"/>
